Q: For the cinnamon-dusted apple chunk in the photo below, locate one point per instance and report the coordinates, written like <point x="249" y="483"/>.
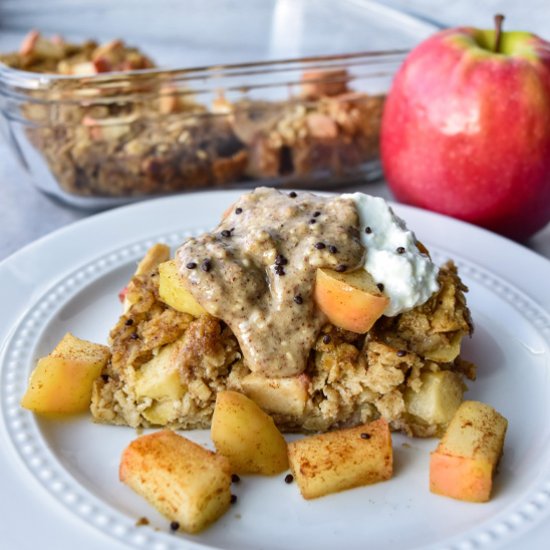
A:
<point x="464" y="463"/>
<point x="340" y="460"/>
<point x="185" y="482"/>
<point x="278" y="395"/>
<point x="247" y="436"/>
<point x="62" y="381"/>
<point x="437" y="399"/>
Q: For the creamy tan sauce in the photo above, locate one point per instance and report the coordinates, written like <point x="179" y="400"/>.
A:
<point x="256" y="271"/>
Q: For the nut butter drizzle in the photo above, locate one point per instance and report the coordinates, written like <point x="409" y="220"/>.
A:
<point x="262" y="261"/>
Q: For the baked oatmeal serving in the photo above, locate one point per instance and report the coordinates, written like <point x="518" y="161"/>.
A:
<point x="326" y="311"/>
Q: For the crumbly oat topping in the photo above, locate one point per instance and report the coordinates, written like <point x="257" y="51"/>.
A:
<point x="41" y="54"/>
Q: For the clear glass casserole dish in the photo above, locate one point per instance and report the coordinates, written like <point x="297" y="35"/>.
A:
<point x="106" y="139"/>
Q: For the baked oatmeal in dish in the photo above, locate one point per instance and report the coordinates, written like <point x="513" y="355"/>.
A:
<point x="108" y="133"/>
<point x="253" y="306"/>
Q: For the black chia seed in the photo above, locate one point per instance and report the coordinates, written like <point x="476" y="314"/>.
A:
<point x="280" y="260"/>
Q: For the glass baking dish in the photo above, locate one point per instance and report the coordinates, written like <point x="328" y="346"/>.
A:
<point x="106" y="139"/>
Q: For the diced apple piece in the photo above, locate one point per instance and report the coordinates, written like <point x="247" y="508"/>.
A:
<point x="321" y="126"/>
<point x="181" y="479"/>
<point x="29" y="42"/>
<point x="159" y="378"/>
<point x="62" y="381"/>
<point x="351" y="301"/>
<point x="464" y="462"/>
<point x="446" y="354"/>
<point x="173" y="292"/>
<point x="277" y="395"/>
<point x="161" y="413"/>
<point x="122" y="295"/>
<point x="247" y="436"/>
<point x="108" y="48"/>
<point x="340" y="460"/>
<point x="221" y="106"/>
<point x="330" y="82"/>
<point x="86" y="68"/>
<point x="437" y="399"/>
<point x="35" y="45"/>
<point x="106" y="129"/>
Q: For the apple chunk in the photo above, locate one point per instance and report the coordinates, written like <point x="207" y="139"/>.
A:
<point x="287" y="395"/>
<point x="181" y="479"/>
<point x="172" y="290"/>
<point x="340" y="460"/>
<point x="159" y="378"/>
<point x="247" y="436"/>
<point x="464" y="462"/>
<point x="437" y="400"/>
<point x="351" y="301"/>
<point x="62" y="381"/>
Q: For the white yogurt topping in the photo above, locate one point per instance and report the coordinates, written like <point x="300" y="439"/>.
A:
<point x="393" y="259"/>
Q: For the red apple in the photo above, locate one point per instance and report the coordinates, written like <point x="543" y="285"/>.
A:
<point x="466" y="129"/>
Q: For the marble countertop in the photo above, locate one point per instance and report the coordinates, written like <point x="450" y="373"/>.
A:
<point x="26" y="214"/>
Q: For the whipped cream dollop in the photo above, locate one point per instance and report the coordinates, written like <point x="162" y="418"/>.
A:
<point x="392" y="256"/>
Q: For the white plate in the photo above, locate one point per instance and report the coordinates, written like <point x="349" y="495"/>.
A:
<point x="59" y="478"/>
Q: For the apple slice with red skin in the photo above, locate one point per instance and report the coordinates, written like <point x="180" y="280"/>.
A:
<point x="122" y="294"/>
<point x="351" y="301"/>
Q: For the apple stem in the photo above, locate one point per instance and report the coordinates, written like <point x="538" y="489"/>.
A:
<point x="499" y="18"/>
